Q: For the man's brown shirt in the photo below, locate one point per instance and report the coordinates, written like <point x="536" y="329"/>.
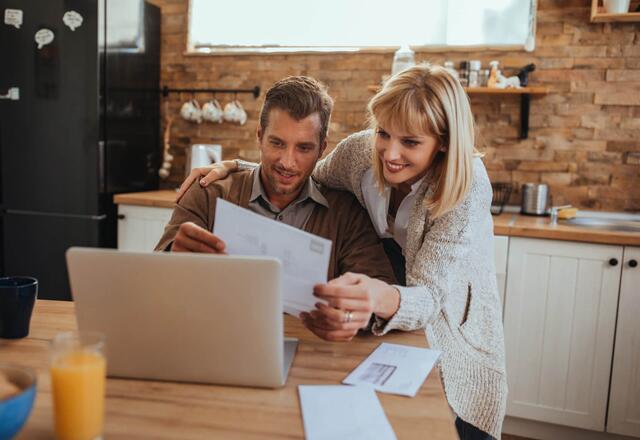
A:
<point x="356" y="246"/>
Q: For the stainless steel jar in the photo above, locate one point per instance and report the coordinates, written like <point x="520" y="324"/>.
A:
<point x="535" y="198"/>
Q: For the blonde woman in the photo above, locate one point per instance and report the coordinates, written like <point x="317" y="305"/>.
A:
<point x="428" y="195"/>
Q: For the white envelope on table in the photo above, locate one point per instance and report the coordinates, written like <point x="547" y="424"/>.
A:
<point x="331" y="412"/>
<point x="395" y="369"/>
<point x="304" y="256"/>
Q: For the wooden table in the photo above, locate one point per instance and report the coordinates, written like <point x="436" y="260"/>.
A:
<point x="138" y="409"/>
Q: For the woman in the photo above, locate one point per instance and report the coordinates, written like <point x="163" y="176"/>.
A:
<point x="428" y="195"/>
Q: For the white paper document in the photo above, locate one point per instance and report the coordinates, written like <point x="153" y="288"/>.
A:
<point x="304" y="256"/>
<point x="331" y="412"/>
<point x="395" y="369"/>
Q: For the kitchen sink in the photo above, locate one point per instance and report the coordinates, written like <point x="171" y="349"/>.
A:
<point x="603" y="223"/>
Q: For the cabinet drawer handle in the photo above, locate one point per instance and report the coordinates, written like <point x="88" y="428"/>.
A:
<point x="121" y="217"/>
<point x="613" y="262"/>
<point x="633" y="263"/>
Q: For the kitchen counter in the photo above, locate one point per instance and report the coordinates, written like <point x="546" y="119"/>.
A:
<point x="164" y="198"/>
<point x="154" y="409"/>
<point x="517" y="225"/>
<point x="508" y="224"/>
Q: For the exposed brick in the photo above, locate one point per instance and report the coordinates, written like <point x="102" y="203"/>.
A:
<point x="632" y="63"/>
<point x="623" y="75"/>
<point x="520" y="177"/>
<point x="623" y="146"/>
<point x="599" y="63"/>
<point x="604" y="157"/>
<point x="556" y="63"/>
<point x="632" y="158"/>
<point x="556" y="179"/>
<point x="631" y="51"/>
<point x="543" y="166"/>
<point x="631" y="124"/>
<point x="556" y="40"/>
<point x="584" y="137"/>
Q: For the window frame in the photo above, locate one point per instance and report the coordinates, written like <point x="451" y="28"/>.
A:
<point x="529" y="46"/>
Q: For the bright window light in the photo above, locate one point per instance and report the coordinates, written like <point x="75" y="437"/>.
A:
<point x="292" y="25"/>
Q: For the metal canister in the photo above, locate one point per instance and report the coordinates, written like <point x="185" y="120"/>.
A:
<point x="535" y="198"/>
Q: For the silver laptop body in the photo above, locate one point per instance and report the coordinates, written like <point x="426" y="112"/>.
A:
<point x="184" y="317"/>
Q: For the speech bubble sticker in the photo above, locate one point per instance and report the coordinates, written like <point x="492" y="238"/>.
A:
<point x="43" y="37"/>
<point x="72" y="19"/>
<point x="13" y="17"/>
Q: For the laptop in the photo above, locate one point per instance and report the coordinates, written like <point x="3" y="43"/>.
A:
<point x="184" y="317"/>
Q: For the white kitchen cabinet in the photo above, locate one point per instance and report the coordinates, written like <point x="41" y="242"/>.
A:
<point x="501" y="244"/>
<point x="624" y="400"/>
<point x="559" y="324"/>
<point x="140" y="227"/>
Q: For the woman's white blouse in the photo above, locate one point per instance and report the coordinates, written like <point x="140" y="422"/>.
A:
<point x="377" y="204"/>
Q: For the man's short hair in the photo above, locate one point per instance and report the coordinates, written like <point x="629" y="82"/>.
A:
<point x="299" y="96"/>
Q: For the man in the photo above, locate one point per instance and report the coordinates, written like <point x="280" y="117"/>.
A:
<point x="292" y="135"/>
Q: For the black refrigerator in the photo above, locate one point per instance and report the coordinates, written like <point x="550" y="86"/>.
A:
<point x="79" y="122"/>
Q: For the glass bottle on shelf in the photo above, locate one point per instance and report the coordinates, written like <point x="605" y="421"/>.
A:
<point x="484" y="77"/>
<point x="474" y="73"/>
<point x="463" y="73"/>
<point x="403" y="59"/>
<point x="450" y="67"/>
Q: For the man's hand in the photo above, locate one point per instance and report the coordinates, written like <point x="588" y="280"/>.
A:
<point x="351" y="299"/>
<point x="193" y="238"/>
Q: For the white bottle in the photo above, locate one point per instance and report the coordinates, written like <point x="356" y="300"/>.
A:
<point x="403" y="59"/>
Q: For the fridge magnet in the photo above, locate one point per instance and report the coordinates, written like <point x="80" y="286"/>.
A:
<point x="43" y="37"/>
<point x="72" y="19"/>
<point x="13" y="17"/>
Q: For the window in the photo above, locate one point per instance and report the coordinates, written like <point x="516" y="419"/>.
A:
<point x="352" y="25"/>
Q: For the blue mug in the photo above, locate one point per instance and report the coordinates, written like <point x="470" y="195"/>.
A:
<point x="17" y="296"/>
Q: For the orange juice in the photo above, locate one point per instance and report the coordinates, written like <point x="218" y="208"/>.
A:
<point x="78" y="382"/>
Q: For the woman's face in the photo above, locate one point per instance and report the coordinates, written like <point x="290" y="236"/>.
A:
<point x="405" y="157"/>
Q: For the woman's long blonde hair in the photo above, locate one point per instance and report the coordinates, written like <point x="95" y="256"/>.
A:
<point x="427" y="99"/>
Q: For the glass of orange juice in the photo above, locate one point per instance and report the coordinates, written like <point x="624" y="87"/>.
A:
<point x="78" y="371"/>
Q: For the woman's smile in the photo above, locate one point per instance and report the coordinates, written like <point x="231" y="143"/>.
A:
<point x="395" y="167"/>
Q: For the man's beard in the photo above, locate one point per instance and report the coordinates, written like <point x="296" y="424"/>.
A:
<point x="282" y="190"/>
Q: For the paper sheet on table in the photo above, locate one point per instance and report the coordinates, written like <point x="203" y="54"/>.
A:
<point x="304" y="256"/>
<point x="395" y="369"/>
<point x="332" y="412"/>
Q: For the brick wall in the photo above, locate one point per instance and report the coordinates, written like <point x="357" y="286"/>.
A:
<point x="584" y="137"/>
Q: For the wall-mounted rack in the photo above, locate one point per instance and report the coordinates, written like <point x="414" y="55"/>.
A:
<point x="254" y="91"/>
<point x="525" y="101"/>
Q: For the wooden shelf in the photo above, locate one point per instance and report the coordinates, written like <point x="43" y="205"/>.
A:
<point x="598" y="15"/>
<point x="525" y="100"/>
<point x="537" y="90"/>
<point x="603" y="17"/>
<point x="510" y="91"/>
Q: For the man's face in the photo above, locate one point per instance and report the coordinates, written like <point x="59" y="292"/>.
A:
<point x="289" y="150"/>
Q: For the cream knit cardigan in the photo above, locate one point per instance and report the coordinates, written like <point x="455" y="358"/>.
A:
<point x="451" y="260"/>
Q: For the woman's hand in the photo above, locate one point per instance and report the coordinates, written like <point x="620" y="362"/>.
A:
<point x="351" y="299"/>
<point x="211" y="173"/>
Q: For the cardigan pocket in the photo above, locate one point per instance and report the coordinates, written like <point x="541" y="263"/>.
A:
<point x="476" y="327"/>
<point x="465" y="314"/>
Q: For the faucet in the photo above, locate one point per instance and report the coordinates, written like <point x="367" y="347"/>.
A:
<point x="553" y="219"/>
